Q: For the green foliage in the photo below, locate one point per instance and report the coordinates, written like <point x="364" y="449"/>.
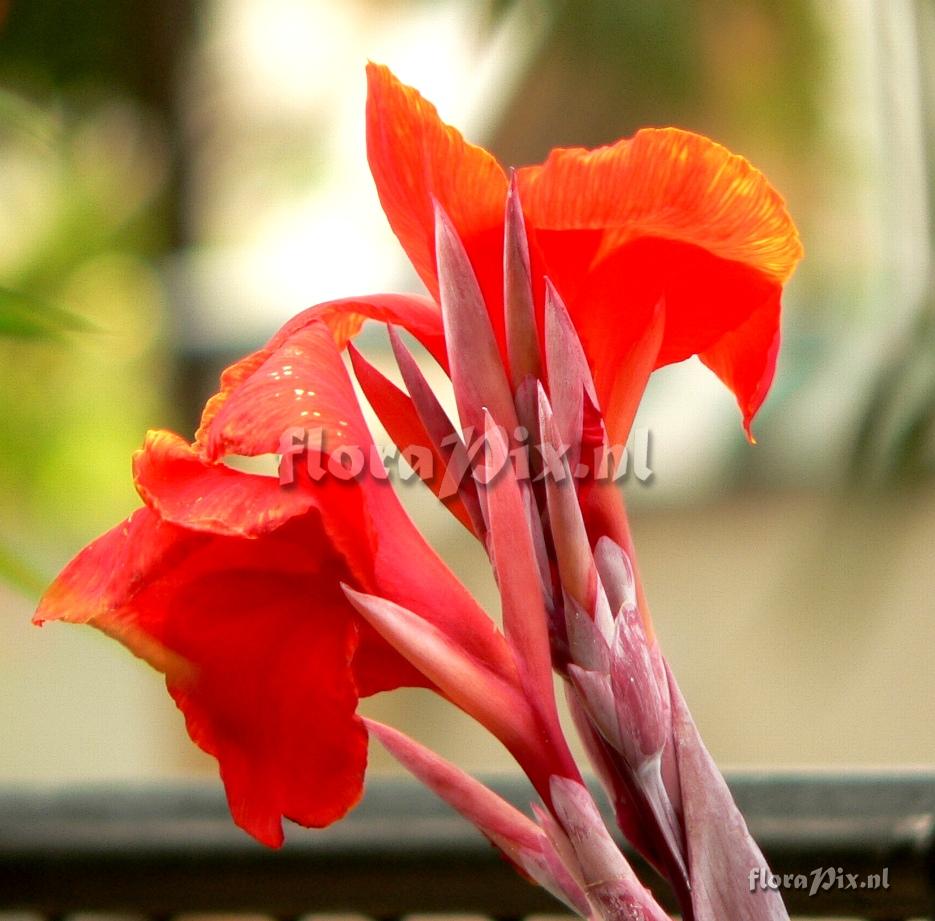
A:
<point x="25" y="317"/>
<point x="20" y="574"/>
<point x="81" y="303"/>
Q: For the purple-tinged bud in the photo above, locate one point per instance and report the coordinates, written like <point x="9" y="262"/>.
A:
<point x="596" y="693"/>
<point x="616" y="572"/>
<point x="569" y="534"/>
<point x="534" y="521"/>
<point x="477" y="374"/>
<point x="519" y="577"/>
<point x="519" y="308"/>
<point x="588" y="648"/>
<point x="527" y="845"/>
<point x="642" y="711"/>
<point x="569" y="376"/>
<point x="609" y="880"/>
<point x="722" y="853"/>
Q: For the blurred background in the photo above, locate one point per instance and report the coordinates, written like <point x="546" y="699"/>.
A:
<point x="179" y="177"/>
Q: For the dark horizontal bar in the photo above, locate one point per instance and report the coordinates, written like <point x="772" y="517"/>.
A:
<point x="165" y="850"/>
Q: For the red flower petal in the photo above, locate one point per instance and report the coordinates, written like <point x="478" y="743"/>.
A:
<point x="745" y="359"/>
<point x="301" y="382"/>
<point x="174" y="480"/>
<point x="416" y="160"/>
<point x="255" y="640"/>
<point x="413" y="312"/>
<point x="665" y="215"/>
<point x="363" y="517"/>
<point x="343" y="318"/>
<point x="669" y="184"/>
<point x="702" y="300"/>
<point x="672" y="216"/>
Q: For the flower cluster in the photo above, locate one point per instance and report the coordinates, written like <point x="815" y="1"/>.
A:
<point x="272" y="607"/>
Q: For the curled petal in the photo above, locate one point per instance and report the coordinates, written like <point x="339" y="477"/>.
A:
<point x="301" y="382"/>
<point x="415" y="313"/>
<point x="745" y="359"/>
<point x="174" y="480"/>
<point x="255" y="642"/>
<point x="668" y="184"/>
<point x="664" y="215"/>
<point x="257" y="403"/>
<point x="343" y="318"/>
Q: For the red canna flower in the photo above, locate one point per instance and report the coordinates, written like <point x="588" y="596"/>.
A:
<point x="231" y="585"/>
<point x="666" y="216"/>
<point x="271" y="608"/>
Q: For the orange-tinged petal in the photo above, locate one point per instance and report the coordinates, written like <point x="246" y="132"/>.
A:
<point x="265" y="395"/>
<point x="415" y="313"/>
<point x="174" y="480"/>
<point x="255" y="640"/>
<point x="416" y="160"/>
<point x="301" y="382"/>
<point x="701" y="298"/>
<point x="261" y="397"/>
<point x="343" y="318"/>
<point x="672" y="217"/>
<point x="668" y="183"/>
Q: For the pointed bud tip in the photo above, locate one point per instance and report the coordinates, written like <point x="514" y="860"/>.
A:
<point x="443" y="223"/>
<point x="551" y="292"/>
<point x="545" y="407"/>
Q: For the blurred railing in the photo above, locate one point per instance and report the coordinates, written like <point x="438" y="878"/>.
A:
<point x="159" y="852"/>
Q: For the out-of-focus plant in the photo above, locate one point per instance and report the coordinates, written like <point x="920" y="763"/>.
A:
<point x="895" y="438"/>
<point x="80" y="308"/>
<point x="89" y="204"/>
<point x="23" y="317"/>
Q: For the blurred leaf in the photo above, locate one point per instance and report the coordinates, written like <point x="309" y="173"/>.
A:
<point x="27" y="118"/>
<point x="25" y="317"/>
<point x="895" y="441"/>
<point x="20" y="574"/>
